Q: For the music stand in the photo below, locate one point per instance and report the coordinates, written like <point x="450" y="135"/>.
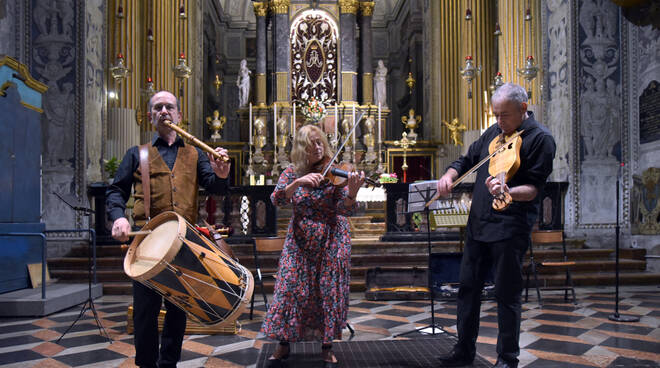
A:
<point x="75" y="205"/>
<point x="419" y="194"/>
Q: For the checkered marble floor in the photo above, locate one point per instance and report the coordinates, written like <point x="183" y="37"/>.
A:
<point x="557" y="335"/>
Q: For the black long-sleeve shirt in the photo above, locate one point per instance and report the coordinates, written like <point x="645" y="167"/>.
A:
<point x="536" y="155"/>
<point x="120" y="190"/>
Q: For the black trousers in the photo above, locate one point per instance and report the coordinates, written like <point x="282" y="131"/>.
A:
<point x="146" y="306"/>
<point x="506" y="259"/>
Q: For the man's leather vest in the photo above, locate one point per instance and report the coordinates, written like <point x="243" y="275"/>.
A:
<point x="174" y="190"/>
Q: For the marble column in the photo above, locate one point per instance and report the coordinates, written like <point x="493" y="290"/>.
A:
<point x="260" y="11"/>
<point x="281" y="49"/>
<point x="347" y="19"/>
<point x="366" y="57"/>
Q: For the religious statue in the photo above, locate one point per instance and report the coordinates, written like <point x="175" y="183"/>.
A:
<point x="368" y="138"/>
<point x="380" y="89"/>
<point x="259" y="139"/>
<point x="282" y="139"/>
<point x="411" y="122"/>
<point x="216" y="124"/>
<point x="455" y="128"/>
<point x="346" y="127"/>
<point x="243" y="84"/>
<point x="282" y="132"/>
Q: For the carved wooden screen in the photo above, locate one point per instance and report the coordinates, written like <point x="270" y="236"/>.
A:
<point x="314" y="57"/>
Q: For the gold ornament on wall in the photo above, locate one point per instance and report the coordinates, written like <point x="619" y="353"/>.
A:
<point x="410" y="81"/>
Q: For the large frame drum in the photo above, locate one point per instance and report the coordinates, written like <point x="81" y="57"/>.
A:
<point x="189" y="270"/>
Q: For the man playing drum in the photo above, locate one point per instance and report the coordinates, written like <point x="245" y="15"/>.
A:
<point x="174" y="170"/>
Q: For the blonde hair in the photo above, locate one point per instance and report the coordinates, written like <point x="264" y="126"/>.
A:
<point x="301" y="141"/>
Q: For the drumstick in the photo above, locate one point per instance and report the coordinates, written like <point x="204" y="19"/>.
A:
<point x="141" y="232"/>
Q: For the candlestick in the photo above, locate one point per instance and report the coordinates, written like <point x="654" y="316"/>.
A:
<point x="379" y="137"/>
<point x="353" y="125"/>
<point x="293" y="121"/>
<point x="275" y="127"/>
<point x="250" y="133"/>
<point x="336" y="119"/>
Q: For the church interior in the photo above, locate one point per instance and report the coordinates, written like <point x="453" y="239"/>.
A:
<point x="401" y="89"/>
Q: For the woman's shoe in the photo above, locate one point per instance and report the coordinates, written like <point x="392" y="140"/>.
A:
<point x="278" y="362"/>
<point x="327" y="364"/>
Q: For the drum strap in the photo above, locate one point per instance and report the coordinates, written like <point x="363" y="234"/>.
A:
<point x="144" y="170"/>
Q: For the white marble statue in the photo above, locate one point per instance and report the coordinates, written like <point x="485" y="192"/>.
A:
<point x="243" y="84"/>
<point x="380" y="88"/>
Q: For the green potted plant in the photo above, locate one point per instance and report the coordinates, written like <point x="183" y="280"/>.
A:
<point x="110" y="167"/>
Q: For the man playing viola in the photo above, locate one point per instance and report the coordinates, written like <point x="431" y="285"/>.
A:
<point x="499" y="238"/>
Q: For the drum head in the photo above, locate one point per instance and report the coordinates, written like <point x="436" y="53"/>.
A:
<point x="148" y="256"/>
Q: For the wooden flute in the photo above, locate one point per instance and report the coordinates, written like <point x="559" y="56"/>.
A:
<point x="195" y="141"/>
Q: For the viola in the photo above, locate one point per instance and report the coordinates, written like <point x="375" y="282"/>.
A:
<point x="503" y="165"/>
<point x="497" y="146"/>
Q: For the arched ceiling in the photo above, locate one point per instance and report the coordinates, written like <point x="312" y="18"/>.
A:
<point x="240" y="13"/>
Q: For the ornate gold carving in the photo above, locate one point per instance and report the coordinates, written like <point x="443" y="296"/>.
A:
<point x="5" y="86"/>
<point x="260" y="9"/>
<point x="347" y="86"/>
<point x="367" y="8"/>
<point x="280" y="6"/>
<point x="261" y="89"/>
<point x="32" y="107"/>
<point x="25" y="73"/>
<point x="282" y="78"/>
<point x="348" y="6"/>
<point x="367" y="88"/>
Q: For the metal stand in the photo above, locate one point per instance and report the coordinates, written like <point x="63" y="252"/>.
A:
<point x="91" y="271"/>
<point x="616" y="316"/>
<point x="426" y="196"/>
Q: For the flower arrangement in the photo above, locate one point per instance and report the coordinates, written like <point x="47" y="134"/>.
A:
<point x="388" y="178"/>
<point x="314" y="110"/>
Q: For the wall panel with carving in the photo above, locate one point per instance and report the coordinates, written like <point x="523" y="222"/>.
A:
<point x="314" y="57"/>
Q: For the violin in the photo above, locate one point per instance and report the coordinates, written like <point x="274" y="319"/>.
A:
<point x="503" y="165"/>
<point x="337" y="174"/>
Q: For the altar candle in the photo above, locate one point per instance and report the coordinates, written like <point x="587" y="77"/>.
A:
<point x="379" y="123"/>
<point x="250" y="133"/>
<point x="275" y="126"/>
<point x="353" y="126"/>
<point x="293" y="121"/>
<point x="336" y="120"/>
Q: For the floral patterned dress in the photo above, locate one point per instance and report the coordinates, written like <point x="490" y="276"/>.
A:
<point x="310" y="300"/>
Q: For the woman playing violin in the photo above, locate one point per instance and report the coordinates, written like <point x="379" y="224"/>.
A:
<point x="311" y="295"/>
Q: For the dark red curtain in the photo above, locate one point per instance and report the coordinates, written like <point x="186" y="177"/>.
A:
<point x="419" y="168"/>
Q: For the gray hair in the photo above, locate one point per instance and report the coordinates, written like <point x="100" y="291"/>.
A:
<point x="510" y="92"/>
<point x="149" y="104"/>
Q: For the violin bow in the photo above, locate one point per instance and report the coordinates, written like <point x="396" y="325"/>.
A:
<point x="348" y="136"/>
<point x="478" y="165"/>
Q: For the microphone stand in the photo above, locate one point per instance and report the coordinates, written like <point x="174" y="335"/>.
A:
<point x="616" y="316"/>
<point x="91" y="269"/>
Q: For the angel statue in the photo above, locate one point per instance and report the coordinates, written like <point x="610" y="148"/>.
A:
<point x="456" y="128"/>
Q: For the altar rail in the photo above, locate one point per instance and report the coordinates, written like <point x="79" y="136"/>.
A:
<point x="260" y="214"/>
